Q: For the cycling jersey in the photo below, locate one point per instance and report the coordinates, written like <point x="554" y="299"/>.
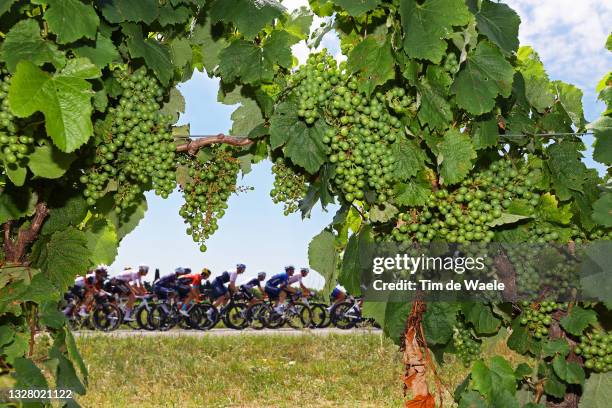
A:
<point x="251" y="284"/>
<point x="194" y="279"/>
<point x="130" y="276"/>
<point x="87" y="280"/>
<point x="335" y="293"/>
<point x="168" y="281"/>
<point x="278" y="280"/>
<point x="297" y="277"/>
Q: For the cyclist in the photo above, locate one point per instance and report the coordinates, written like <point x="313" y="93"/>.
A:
<point x="130" y="283"/>
<point x="84" y="288"/>
<point x="194" y="281"/>
<point x="220" y="293"/>
<point x="249" y="288"/>
<point x="338" y="295"/>
<point x="275" y="286"/>
<point x="296" y="278"/>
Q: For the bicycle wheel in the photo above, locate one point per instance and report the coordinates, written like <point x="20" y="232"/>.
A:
<point x="106" y="317"/>
<point x="320" y="316"/>
<point x="274" y="319"/>
<point x="142" y="316"/>
<point x="208" y="316"/>
<point x="299" y="316"/>
<point x="258" y="315"/>
<point x="160" y="317"/>
<point x="344" y="316"/>
<point x="235" y="316"/>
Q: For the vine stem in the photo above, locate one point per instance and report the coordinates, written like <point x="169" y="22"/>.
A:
<point x="15" y="249"/>
<point x="193" y="146"/>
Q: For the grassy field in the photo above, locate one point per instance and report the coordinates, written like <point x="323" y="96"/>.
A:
<point x="360" y="370"/>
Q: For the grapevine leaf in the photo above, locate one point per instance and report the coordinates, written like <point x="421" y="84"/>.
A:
<point x="249" y="16"/>
<point x="298" y="22"/>
<point x="16" y="173"/>
<point x="6" y="335"/>
<point x="246" y="118"/>
<point x="63" y="256"/>
<point x="357" y="251"/>
<point x="17" y="348"/>
<point x="493" y="380"/>
<point x="595" y="278"/>
<point x="175" y="105"/>
<point x="5" y="6"/>
<point x="485" y="75"/>
<point x="549" y="210"/>
<point x="156" y="55"/>
<point x="375" y="310"/>
<point x="455" y="156"/>
<point x="578" y="320"/>
<point x="537" y="84"/>
<point x="23" y="42"/>
<point x="382" y="213"/>
<point x="64" y="99"/>
<point x="412" y="193"/>
<point x="16" y="203"/>
<point x="101" y="241"/>
<point x="553" y="386"/>
<point x="169" y="15"/>
<point x="602" y="210"/>
<point x="48" y="162"/>
<point x="119" y="11"/>
<point x="28" y="375"/>
<point x="50" y="316"/>
<point x="74" y="354"/>
<point x="520" y="340"/>
<point x="277" y="48"/>
<point x="485" y="134"/>
<point x="322" y="256"/>
<point x="426" y="25"/>
<point x="438" y="322"/>
<point x="306" y="149"/>
<point x="570" y="98"/>
<point x="211" y="42"/>
<point x="602" y="148"/>
<point x="357" y="7"/>
<point x="499" y="23"/>
<point x="374" y="63"/>
<point x="567" y="170"/>
<point x="506" y="219"/>
<point x="555" y="346"/>
<point x="63" y="212"/>
<point x="66" y="377"/>
<point x="568" y="371"/>
<point x="409" y="158"/>
<point x="181" y="52"/>
<point x="129" y="219"/>
<point x="597" y="391"/>
<point x="244" y="60"/>
<point x="71" y="20"/>
<point x="395" y="319"/>
<point x="472" y="399"/>
<point x="522" y="370"/>
<point x="435" y="109"/>
<point x="481" y="317"/>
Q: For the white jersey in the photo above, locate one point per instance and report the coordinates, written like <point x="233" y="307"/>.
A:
<point x="296" y="277"/>
<point x="130" y="276"/>
<point x="81" y="281"/>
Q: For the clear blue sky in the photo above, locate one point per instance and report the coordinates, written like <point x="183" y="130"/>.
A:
<point x="254" y="231"/>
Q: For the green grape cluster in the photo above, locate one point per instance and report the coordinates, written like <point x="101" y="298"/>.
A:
<point x="136" y="148"/>
<point x="14" y="147"/>
<point x="465" y="213"/>
<point x="399" y="101"/>
<point x="451" y="64"/>
<point x="580" y="237"/>
<point x="206" y="194"/>
<point x="362" y="128"/>
<point x="596" y="348"/>
<point x="289" y="186"/>
<point x="559" y="275"/>
<point x="538" y="316"/>
<point x="468" y="348"/>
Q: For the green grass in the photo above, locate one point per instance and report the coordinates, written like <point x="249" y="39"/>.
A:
<point x="360" y="370"/>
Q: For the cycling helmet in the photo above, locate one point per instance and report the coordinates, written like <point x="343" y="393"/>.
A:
<point x="289" y="267"/>
<point x="241" y="266"/>
<point x="304" y="271"/>
<point x="143" y="267"/>
<point x="187" y="270"/>
<point x="261" y="275"/>
<point x="179" y="271"/>
<point x="103" y="269"/>
<point x="205" y="273"/>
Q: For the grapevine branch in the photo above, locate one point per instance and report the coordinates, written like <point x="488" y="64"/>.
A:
<point x="14" y="249"/>
<point x="192" y="146"/>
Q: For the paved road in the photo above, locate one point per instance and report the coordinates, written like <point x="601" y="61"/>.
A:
<point x="229" y="332"/>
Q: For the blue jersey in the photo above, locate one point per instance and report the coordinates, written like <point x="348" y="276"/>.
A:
<point x="167" y="280"/>
<point x="278" y="280"/>
<point x="252" y="283"/>
<point x="222" y="279"/>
